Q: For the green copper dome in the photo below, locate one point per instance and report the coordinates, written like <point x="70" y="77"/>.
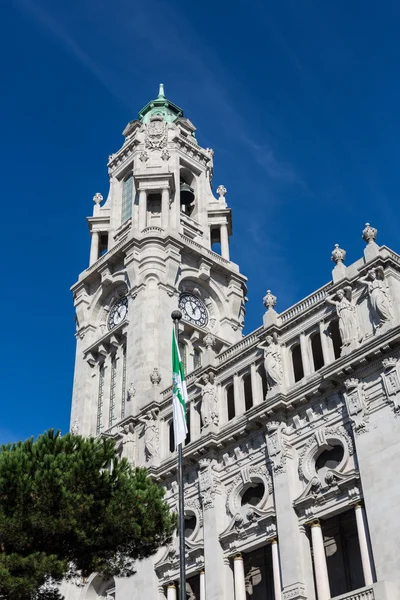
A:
<point x="160" y="106"/>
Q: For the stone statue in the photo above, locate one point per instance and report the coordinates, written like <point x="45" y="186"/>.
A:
<point x="272" y="361"/>
<point x="209" y="400"/>
<point x="127" y="445"/>
<point x="151" y="442"/>
<point x="348" y="324"/>
<point x="379" y="297"/>
<point x="131" y="392"/>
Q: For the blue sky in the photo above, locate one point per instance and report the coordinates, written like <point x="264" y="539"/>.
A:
<point x="299" y="99"/>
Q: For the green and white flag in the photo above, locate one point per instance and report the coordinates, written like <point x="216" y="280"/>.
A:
<point x="179" y="394"/>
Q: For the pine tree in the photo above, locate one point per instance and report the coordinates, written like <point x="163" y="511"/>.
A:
<point x="70" y="507"/>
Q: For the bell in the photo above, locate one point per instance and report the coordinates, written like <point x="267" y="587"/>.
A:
<point x="187" y="194"/>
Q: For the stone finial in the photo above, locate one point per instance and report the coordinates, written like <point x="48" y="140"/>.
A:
<point x="269" y="300"/>
<point x="98" y="198"/>
<point x="338" y="254"/>
<point x="221" y="191"/>
<point x="369" y="233"/>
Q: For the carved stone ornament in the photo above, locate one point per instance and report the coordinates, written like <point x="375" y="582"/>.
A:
<point x="209" y="341"/>
<point x="131" y="392"/>
<point x="209" y="400"/>
<point x="369" y="233"/>
<point x="338" y="255"/>
<point x="127" y="446"/>
<point x="324" y="438"/>
<point x="75" y="428"/>
<point x="155" y="376"/>
<point x="391" y="382"/>
<point x="143" y="156"/>
<point x="296" y="591"/>
<point x="269" y="300"/>
<point x="150" y="434"/>
<point x="221" y="191"/>
<point x="206" y="483"/>
<point x="156" y="133"/>
<point x="97" y="198"/>
<point x="165" y="155"/>
<point x="278" y="447"/>
<point x="356" y="404"/>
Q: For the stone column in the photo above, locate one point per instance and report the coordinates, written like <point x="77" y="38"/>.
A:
<point x="171" y="591"/>
<point x="305" y="355"/>
<point x="238" y="395"/>
<point x="94" y="247"/>
<point x="224" y="241"/>
<point x="194" y="421"/>
<point x="142" y="209"/>
<point x="324" y="343"/>
<point x="321" y="569"/>
<point x="238" y="569"/>
<point x="202" y="586"/>
<point x="164" y="208"/>
<point x="276" y="569"/>
<point x="255" y="385"/>
<point x="363" y="541"/>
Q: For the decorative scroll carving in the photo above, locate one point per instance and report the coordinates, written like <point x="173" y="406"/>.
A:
<point x="356" y="404"/>
<point x="278" y="447"/>
<point x="206" y="483"/>
<point x="391" y="382"/>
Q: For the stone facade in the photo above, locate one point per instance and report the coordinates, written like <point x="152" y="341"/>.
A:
<point x="294" y="437"/>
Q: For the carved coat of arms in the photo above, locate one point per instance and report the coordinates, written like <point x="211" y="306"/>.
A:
<point x="156" y="132"/>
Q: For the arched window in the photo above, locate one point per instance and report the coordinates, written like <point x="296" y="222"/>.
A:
<point x="127" y="196"/>
<point x="335" y="337"/>
<point x="230" y="401"/>
<point x="196" y="359"/>
<point x="261" y="372"/>
<point x="316" y="348"/>
<point x="298" y="371"/>
<point x="182" y="351"/>
<point x="248" y="394"/>
<point x="171" y="437"/>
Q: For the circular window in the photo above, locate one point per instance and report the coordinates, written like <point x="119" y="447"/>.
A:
<point x="190" y="525"/>
<point x="253" y="495"/>
<point x="329" y="459"/>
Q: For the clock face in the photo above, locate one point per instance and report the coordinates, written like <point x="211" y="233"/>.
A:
<point x="118" y="313"/>
<point x="193" y="310"/>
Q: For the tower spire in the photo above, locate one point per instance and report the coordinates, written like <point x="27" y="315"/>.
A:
<point x="161" y="93"/>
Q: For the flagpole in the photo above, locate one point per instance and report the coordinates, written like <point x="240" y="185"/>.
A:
<point x="176" y="317"/>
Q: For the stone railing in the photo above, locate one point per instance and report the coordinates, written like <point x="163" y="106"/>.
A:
<point x="305" y="304"/>
<point x="366" y="593"/>
<point x="238" y="348"/>
<point x="201" y="248"/>
<point x="105" y="257"/>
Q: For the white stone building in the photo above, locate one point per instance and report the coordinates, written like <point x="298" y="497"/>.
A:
<point x="292" y="459"/>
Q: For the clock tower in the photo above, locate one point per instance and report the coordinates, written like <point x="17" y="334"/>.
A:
<point x="160" y="240"/>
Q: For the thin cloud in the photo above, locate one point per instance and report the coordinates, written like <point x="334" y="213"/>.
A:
<point x="143" y="27"/>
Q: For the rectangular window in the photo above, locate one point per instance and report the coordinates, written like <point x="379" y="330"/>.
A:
<point x="100" y="400"/>
<point x="112" y="392"/>
<point x="127" y="196"/>
<point x="123" y="384"/>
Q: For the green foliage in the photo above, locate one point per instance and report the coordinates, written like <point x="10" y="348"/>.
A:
<point x="69" y="506"/>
